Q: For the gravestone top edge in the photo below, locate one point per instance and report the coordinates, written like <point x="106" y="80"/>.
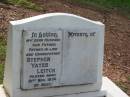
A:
<point x="43" y="16"/>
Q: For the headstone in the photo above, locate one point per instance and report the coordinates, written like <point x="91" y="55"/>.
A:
<point x="54" y="54"/>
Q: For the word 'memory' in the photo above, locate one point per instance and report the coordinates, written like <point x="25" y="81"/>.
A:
<point x="83" y="34"/>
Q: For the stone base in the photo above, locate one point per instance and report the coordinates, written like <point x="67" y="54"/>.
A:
<point x="109" y="89"/>
<point x="90" y="94"/>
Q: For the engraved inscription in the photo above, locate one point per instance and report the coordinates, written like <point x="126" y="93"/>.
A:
<point x="41" y="59"/>
<point x="48" y="58"/>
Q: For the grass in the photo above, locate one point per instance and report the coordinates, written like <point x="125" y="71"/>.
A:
<point x="2" y="56"/>
<point x="123" y="86"/>
<point x="1" y="73"/>
<point x="121" y="5"/>
<point x="26" y="4"/>
<point x="129" y="78"/>
<point x="2" y="49"/>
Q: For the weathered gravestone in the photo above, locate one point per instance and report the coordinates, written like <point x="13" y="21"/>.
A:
<point x="54" y="54"/>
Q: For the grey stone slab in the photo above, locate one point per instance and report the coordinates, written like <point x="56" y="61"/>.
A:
<point x="54" y="54"/>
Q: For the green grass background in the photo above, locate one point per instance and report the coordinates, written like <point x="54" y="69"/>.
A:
<point x="121" y="5"/>
<point x="1" y="73"/>
<point x="24" y="3"/>
<point x="2" y="56"/>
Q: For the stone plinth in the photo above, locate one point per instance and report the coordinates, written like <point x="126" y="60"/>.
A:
<point x="108" y="88"/>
